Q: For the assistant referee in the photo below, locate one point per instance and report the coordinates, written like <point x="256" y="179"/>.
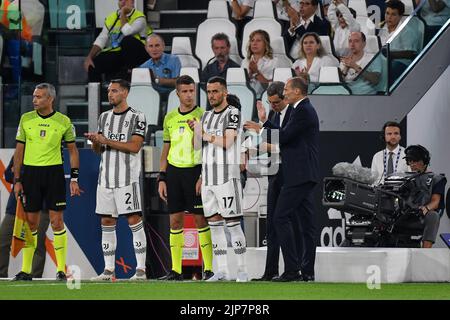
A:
<point x="38" y="150"/>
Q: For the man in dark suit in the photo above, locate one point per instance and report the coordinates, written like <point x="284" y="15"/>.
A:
<point x="307" y="21"/>
<point x="299" y="140"/>
<point x="279" y="115"/>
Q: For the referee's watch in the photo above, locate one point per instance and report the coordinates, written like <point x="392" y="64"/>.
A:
<point x="157" y="80"/>
<point x="74" y="180"/>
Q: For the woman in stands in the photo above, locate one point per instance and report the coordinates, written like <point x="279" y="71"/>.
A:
<point x="260" y="61"/>
<point x="312" y="57"/>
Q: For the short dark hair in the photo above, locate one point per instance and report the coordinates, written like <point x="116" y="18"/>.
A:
<point x="396" y="5"/>
<point x="391" y="124"/>
<point x="221" y="36"/>
<point x="299" y="83"/>
<point x="184" y="79"/>
<point x="122" y="83"/>
<point x="216" y="79"/>
<point x="315" y="2"/>
<point x="276" y="88"/>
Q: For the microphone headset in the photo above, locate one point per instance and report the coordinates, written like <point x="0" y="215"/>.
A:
<point x="416" y="152"/>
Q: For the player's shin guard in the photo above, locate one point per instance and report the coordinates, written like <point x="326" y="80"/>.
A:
<point x="140" y="244"/>
<point x="239" y="244"/>
<point x="28" y="253"/>
<point x="60" y="244"/>
<point x="204" y="236"/>
<point x="219" y="241"/>
<point x="109" y="243"/>
<point x="176" y="248"/>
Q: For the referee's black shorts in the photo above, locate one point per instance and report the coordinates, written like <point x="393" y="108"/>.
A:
<point x="181" y="194"/>
<point x="44" y="184"/>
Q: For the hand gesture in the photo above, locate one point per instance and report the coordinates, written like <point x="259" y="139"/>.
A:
<point x="88" y="62"/>
<point x="162" y="190"/>
<point x="253" y="66"/>
<point x="251" y="125"/>
<point x="262" y="116"/>
<point x="75" y="189"/>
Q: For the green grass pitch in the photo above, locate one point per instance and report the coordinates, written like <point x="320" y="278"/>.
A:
<point x="196" y="290"/>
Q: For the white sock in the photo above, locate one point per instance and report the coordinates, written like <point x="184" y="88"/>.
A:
<point x="140" y="244"/>
<point x="109" y="243"/>
<point x="239" y="244"/>
<point x="219" y="242"/>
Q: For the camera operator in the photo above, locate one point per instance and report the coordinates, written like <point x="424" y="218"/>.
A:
<point x="418" y="158"/>
<point x="391" y="158"/>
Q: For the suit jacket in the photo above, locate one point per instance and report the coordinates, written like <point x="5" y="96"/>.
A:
<point x="319" y="26"/>
<point x="299" y="140"/>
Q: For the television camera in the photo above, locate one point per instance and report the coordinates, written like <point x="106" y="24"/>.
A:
<point x="385" y="215"/>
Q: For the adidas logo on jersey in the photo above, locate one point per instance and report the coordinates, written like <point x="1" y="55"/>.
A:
<point x="129" y="208"/>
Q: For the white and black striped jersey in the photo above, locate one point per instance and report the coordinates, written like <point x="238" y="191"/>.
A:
<point x="118" y="168"/>
<point x="220" y="165"/>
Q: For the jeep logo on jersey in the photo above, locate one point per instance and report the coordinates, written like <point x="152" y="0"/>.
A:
<point x="141" y="125"/>
<point x="116" y="136"/>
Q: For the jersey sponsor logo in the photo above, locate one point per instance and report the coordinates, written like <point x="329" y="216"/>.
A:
<point x="140" y="125"/>
<point x="116" y="136"/>
<point x="42" y="133"/>
<point x="59" y="204"/>
<point x="181" y="130"/>
<point x="43" y="125"/>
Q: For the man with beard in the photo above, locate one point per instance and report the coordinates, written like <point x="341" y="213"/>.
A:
<point x="391" y="158"/>
<point x="119" y="138"/>
<point x="217" y="66"/>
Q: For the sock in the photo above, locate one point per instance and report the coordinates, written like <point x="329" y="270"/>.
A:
<point x="176" y="248"/>
<point x="219" y="241"/>
<point x="140" y="244"/>
<point x="239" y="244"/>
<point x="60" y="244"/>
<point x="204" y="237"/>
<point x="28" y="253"/>
<point x="109" y="243"/>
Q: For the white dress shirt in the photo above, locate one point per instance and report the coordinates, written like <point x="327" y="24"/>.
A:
<point x="380" y="162"/>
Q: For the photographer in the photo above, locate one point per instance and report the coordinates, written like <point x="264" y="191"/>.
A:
<point x="418" y="158"/>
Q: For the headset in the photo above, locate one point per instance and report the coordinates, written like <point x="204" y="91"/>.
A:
<point x="388" y="124"/>
<point x="417" y="152"/>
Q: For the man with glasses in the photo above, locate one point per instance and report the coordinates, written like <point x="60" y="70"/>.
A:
<point x="306" y="21"/>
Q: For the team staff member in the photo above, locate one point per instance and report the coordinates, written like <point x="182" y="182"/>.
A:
<point x="38" y="150"/>
<point x="179" y="183"/>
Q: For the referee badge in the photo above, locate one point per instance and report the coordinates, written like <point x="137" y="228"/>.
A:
<point x="42" y="133"/>
<point x="181" y="130"/>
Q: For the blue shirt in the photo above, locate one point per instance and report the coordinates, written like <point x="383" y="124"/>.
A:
<point x="167" y="67"/>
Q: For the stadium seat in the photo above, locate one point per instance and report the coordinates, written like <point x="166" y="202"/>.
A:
<point x="409" y="7"/>
<point x="205" y="32"/>
<point x="174" y="101"/>
<point x="282" y="74"/>
<point x="367" y="26"/>
<point x="279" y="52"/>
<point x="359" y="6"/>
<point x="272" y="27"/>
<point x="190" y="71"/>
<point x="181" y="47"/>
<point x="217" y="10"/>
<point x="234" y="51"/>
<point x="141" y="76"/>
<point x="263" y="9"/>
<point x="326" y="44"/>
<point x="146" y="99"/>
<point x="236" y="76"/>
<point x="372" y="44"/>
<point x="331" y="89"/>
<point x="329" y="75"/>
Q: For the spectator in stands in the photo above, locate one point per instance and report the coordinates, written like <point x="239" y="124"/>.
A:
<point x="312" y="58"/>
<point x="286" y="9"/>
<point x="220" y="44"/>
<point x="6" y="233"/>
<point x="242" y="13"/>
<point x="307" y="21"/>
<point x="435" y="13"/>
<point x="405" y="46"/>
<point x="343" y="21"/>
<point x="260" y="61"/>
<point x="120" y="46"/>
<point x="164" y="67"/>
<point x="352" y="65"/>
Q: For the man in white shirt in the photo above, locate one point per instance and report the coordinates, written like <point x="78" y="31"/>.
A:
<point x="390" y="159"/>
<point x="120" y="46"/>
